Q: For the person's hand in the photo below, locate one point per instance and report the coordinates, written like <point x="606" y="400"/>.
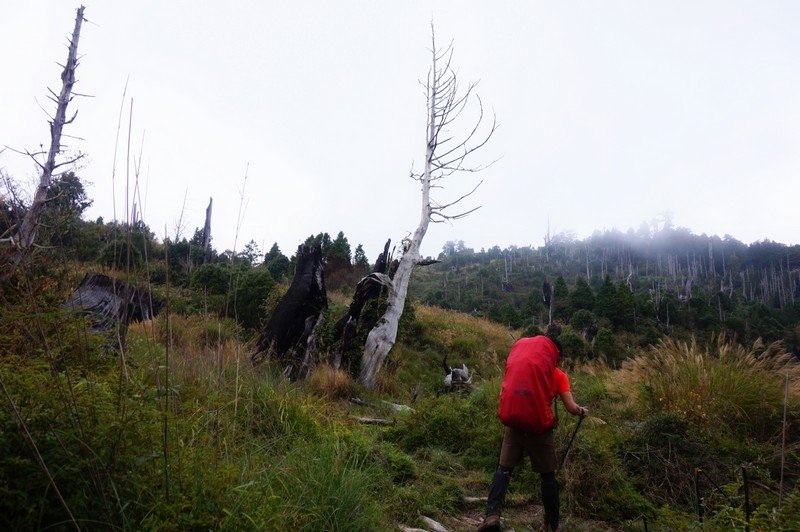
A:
<point x="583" y="411"/>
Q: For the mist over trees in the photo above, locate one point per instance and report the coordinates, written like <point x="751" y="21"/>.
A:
<point x="650" y="282"/>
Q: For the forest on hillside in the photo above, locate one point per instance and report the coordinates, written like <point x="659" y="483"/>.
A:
<point x="648" y="284"/>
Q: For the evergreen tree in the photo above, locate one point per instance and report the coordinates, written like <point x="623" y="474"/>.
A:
<point x="277" y="263"/>
<point x="582" y="298"/>
<point x="251" y="254"/>
<point x="624" y="315"/>
<point x="560" y="299"/>
<point x="339" y="250"/>
<point x="60" y="222"/>
<point x="606" y="302"/>
<point x="360" y="258"/>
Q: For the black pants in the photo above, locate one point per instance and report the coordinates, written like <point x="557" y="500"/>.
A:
<point x="497" y="494"/>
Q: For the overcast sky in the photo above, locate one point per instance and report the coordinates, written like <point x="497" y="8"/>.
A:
<point x="611" y="113"/>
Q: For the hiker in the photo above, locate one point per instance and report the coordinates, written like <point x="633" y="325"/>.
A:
<point x="530" y="383"/>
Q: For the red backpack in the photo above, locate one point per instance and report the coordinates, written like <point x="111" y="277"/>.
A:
<point x="528" y="385"/>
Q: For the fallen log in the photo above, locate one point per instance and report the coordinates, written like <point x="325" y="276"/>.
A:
<point x="435" y="526"/>
<point x="373" y="420"/>
<point x="385" y="405"/>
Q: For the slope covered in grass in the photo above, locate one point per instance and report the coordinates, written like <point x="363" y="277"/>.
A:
<point x="181" y="433"/>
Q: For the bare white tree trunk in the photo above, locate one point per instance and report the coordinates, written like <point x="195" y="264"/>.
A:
<point x="445" y="103"/>
<point x="26" y="233"/>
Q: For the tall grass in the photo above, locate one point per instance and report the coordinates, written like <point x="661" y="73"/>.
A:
<point x="719" y="386"/>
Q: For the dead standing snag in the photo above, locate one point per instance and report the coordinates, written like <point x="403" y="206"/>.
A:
<point x="26" y="232"/>
<point x="367" y="289"/>
<point x="444" y="157"/>
<point x="290" y="332"/>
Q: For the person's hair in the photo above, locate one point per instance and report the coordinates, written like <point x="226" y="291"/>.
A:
<point x="553" y="332"/>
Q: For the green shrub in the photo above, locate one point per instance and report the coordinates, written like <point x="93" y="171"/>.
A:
<point x="211" y="278"/>
<point x="582" y="320"/>
<point x="532" y="330"/>
<point x="789" y="516"/>
<point x="665" y="449"/>
<point x="93" y="453"/>
<point x="572" y="344"/>
<point x="595" y="481"/>
<point x="401" y="466"/>
<point x="251" y="288"/>
<point x="606" y="345"/>
<point x="443" y="422"/>
<point x="455" y="423"/>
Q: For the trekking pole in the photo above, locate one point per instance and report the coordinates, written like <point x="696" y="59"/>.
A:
<point x="746" y="499"/>
<point x="569" y="446"/>
<point x="697" y="495"/>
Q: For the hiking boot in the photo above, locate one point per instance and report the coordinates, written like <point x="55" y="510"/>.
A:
<point x="490" y="524"/>
<point x="549" y="527"/>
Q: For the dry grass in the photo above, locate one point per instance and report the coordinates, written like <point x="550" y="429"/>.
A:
<point x="444" y="326"/>
<point x="336" y="297"/>
<point x="331" y="383"/>
<point x="718" y="382"/>
<point x="202" y="349"/>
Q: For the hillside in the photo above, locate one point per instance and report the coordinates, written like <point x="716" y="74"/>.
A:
<point x="178" y="431"/>
<point x="644" y="285"/>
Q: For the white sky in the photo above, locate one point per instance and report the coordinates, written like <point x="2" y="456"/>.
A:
<point x="611" y="113"/>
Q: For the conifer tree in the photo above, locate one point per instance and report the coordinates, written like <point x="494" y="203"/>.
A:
<point x="582" y="298"/>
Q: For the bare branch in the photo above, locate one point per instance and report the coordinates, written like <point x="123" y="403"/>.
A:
<point x="45" y="111"/>
<point x="448" y="217"/>
<point x="468" y="194"/>
<point x="73" y="160"/>
<point x="71" y="119"/>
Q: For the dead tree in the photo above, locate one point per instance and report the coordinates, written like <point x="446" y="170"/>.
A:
<point x="26" y="232"/>
<point x="207" y="233"/>
<point x="109" y="303"/>
<point x="445" y="156"/>
<point x="290" y="333"/>
<point x="367" y="289"/>
<point x="547" y="299"/>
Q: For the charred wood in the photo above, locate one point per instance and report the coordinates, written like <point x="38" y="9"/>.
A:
<point x="109" y="303"/>
<point x="367" y="289"/>
<point x="290" y="330"/>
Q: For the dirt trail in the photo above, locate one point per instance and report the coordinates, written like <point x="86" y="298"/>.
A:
<point x="520" y="514"/>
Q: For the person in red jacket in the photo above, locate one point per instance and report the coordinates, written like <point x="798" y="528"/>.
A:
<point x="530" y="384"/>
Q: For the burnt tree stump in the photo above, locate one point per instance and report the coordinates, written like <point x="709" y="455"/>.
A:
<point x="110" y="303"/>
<point x="289" y="335"/>
<point x="367" y="289"/>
